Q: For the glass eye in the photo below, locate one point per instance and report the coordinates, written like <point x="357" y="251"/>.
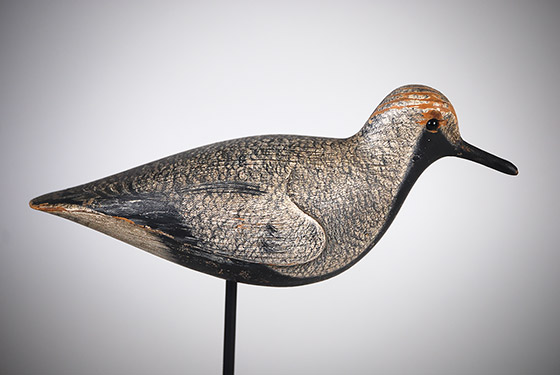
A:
<point x="432" y="124"/>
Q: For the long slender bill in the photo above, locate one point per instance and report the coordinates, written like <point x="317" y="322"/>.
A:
<point x="470" y="152"/>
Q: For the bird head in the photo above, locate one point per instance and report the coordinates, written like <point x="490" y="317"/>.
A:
<point x="420" y="121"/>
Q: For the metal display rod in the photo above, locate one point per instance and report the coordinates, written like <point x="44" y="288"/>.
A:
<point x="229" y="327"/>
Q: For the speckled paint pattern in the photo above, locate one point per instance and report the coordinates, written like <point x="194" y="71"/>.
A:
<point x="276" y="210"/>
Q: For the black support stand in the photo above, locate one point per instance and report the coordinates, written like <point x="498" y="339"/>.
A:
<point x="229" y="327"/>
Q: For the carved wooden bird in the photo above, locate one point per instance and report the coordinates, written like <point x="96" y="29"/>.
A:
<point x="276" y="210"/>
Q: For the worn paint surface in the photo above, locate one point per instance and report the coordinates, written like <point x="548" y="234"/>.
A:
<point x="274" y="210"/>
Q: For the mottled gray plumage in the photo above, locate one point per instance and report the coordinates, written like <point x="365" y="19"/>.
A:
<point x="276" y="210"/>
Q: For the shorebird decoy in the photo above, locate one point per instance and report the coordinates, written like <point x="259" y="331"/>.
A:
<point x="276" y="210"/>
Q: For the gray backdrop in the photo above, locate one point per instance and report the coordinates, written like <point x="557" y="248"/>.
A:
<point x="464" y="282"/>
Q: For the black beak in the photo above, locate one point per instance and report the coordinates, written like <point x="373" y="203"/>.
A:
<point x="470" y="152"/>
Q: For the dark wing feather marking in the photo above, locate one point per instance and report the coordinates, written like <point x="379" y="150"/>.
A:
<point x="235" y="220"/>
<point x="226" y="187"/>
<point x="150" y="210"/>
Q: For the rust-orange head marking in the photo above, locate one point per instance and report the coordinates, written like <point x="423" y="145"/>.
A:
<point x="431" y="103"/>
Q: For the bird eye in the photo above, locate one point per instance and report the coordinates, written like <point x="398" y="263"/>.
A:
<point x="433" y="124"/>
